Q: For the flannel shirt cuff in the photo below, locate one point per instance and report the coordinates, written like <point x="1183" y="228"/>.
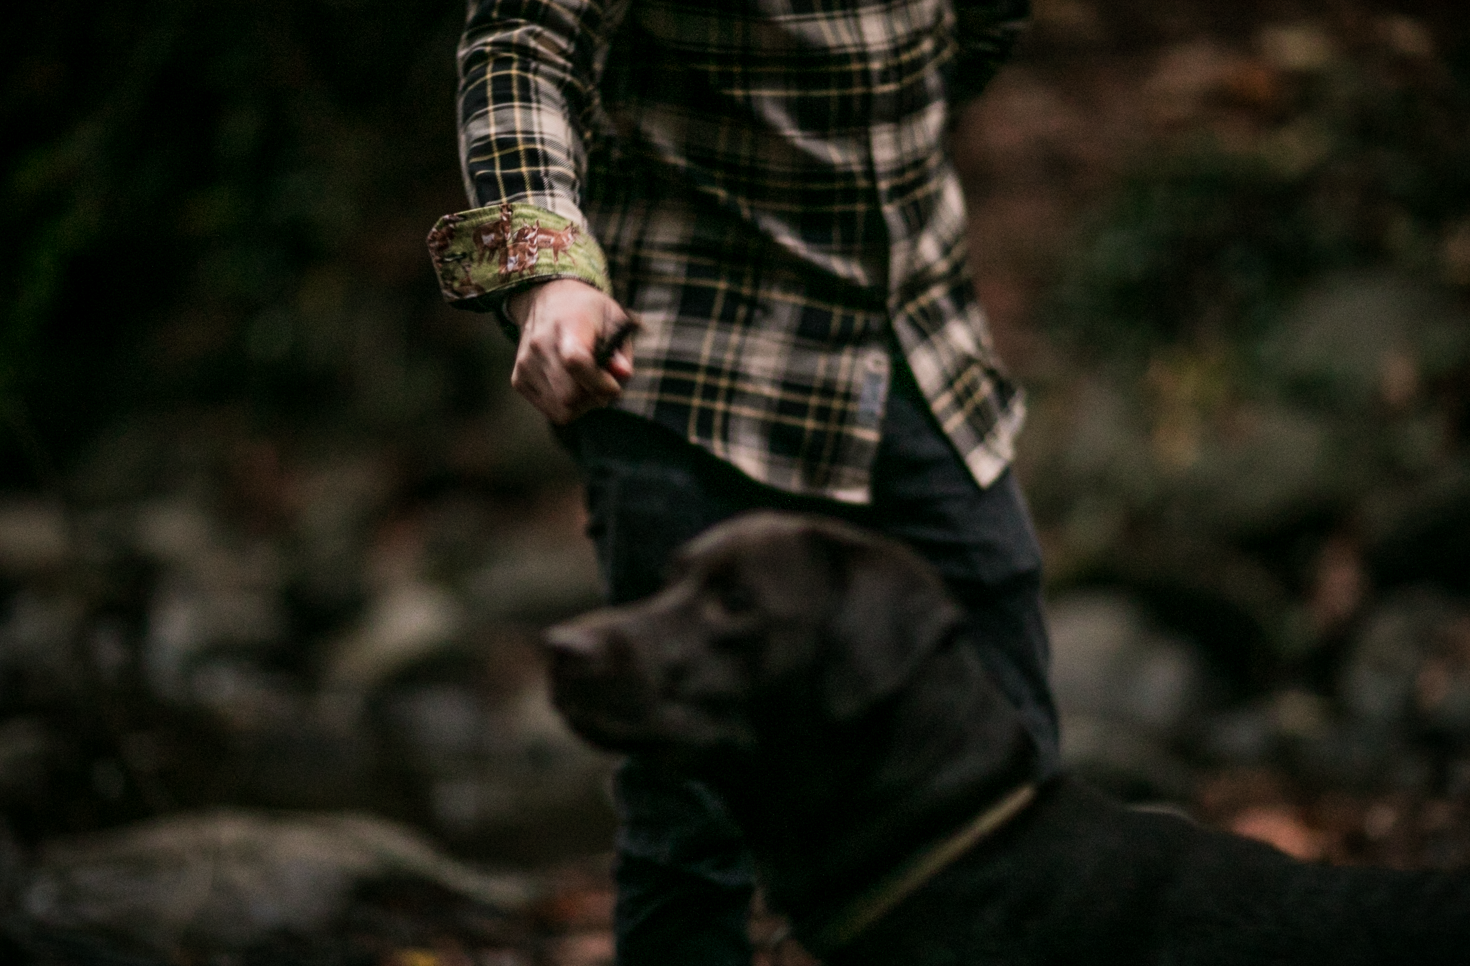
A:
<point x="484" y="256"/>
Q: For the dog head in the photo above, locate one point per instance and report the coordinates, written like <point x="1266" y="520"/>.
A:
<point x="763" y="606"/>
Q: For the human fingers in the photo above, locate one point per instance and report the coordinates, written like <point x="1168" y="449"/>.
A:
<point x="540" y="377"/>
<point x="563" y="328"/>
<point x="555" y="372"/>
<point x="620" y="366"/>
<point x="529" y="378"/>
<point x="581" y="362"/>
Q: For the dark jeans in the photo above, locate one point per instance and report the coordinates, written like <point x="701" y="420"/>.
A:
<point x="684" y="876"/>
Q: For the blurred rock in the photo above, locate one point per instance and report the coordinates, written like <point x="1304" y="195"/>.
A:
<point x="229" y="880"/>
<point x="1339" y="585"/>
<point x="459" y="531"/>
<point x="1355" y="341"/>
<point x="444" y="722"/>
<point x="339" y="500"/>
<point x="1240" y="736"/>
<point x="30" y="754"/>
<point x="1303" y="47"/>
<point x="37" y="646"/>
<point x="215" y="593"/>
<point x="1108" y="437"/>
<point x="1109" y="662"/>
<point x="1087" y="468"/>
<point x="1421" y="534"/>
<point x="1130" y="761"/>
<point x="537" y="577"/>
<point x="1408" y="37"/>
<point x="1456" y="254"/>
<point x="407" y="622"/>
<point x="1188" y="75"/>
<point x="1258" y="732"/>
<point x="285" y="748"/>
<point x="1074" y="23"/>
<point x="34" y="538"/>
<point x="534" y="765"/>
<point x="178" y="531"/>
<point x="1377" y="684"/>
<point x="587" y="949"/>
<point x="1410" y="664"/>
<point x="495" y="770"/>
<point x="513" y="445"/>
<point x="244" y="695"/>
<point x="122" y="461"/>
<point x="1355" y="757"/>
<point x="1131" y="696"/>
<point x="1277" y="462"/>
<point x="188" y="621"/>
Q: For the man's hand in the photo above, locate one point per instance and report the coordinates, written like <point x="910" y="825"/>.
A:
<point x="562" y="322"/>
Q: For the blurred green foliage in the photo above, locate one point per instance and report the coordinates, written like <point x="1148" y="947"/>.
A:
<point x="223" y="201"/>
<point x="1266" y="333"/>
<point x="1364" y="163"/>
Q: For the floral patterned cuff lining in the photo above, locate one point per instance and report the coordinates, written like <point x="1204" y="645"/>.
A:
<point x="485" y="255"/>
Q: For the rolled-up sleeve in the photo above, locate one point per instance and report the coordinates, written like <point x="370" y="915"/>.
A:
<point x="528" y="72"/>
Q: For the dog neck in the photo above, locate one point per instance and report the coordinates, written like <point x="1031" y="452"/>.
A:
<point x="877" y="902"/>
<point x="831" y="807"/>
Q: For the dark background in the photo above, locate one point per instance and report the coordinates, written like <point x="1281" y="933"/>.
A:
<point x="221" y="203"/>
<point x="275" y="533"/>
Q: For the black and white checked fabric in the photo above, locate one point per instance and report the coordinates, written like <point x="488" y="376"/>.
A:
<point x="769" y="183"/>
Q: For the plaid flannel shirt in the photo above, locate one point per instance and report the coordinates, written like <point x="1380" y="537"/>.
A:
<point x="765" y="185"/>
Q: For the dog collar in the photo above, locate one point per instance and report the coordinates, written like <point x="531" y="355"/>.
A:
<point x="878" y="901"/>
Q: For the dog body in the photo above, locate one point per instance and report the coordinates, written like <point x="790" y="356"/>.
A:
<point x="814" y="675"/>
<point x="1078" y="879"/>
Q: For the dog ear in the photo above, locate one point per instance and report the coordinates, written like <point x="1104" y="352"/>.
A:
<point x="890" y="613"/>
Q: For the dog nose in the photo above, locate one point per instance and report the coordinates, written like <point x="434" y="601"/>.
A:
<point x="571" y="640"/>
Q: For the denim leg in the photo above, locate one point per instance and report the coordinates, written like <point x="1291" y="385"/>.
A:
<point x="684" y="877"/>
<point x="1005" y="623"/>
<point x="981" y="541"/>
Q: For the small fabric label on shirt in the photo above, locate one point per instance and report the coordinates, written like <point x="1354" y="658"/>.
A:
<point x="870" y="397"/>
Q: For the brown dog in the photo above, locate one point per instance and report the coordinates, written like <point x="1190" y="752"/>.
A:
<point x="814" y="674"/>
